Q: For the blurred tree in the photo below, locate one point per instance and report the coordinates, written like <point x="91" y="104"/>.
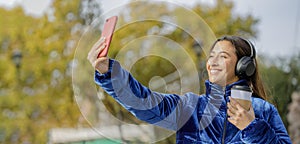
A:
<point x="43" y="98"/>
<point x="11" y="37"/>
<point x="282" y="78"/>
<point x="223" y="21"/>
<point x="90" y="10"/>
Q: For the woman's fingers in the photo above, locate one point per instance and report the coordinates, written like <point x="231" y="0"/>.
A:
<point x="231" y="107"/>
<point x="239" y="116"/>
<point x="99" y="43"/>
<point x="230" y="110"/>
<point x="101" y="64"/>
<point x="99" y="49"/>
<point x="233" y="102"/>
<point x="96" y="49"/>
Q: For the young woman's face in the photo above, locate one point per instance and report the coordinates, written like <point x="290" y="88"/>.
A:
<point x="221" y="64"/>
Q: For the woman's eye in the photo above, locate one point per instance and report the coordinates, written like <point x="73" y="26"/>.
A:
<point x="223" y="56"/>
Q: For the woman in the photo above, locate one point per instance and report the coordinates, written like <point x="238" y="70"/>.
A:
<point x="212" y="117"/>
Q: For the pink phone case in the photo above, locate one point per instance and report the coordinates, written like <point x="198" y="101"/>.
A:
<point x="107" y="32"/>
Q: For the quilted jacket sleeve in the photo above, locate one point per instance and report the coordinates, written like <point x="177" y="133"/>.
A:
<point x="269" y="130"/>
<point x="153" y="107"/>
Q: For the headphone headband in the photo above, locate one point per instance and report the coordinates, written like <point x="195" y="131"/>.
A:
<point x="253" y="53"/>
<point x="231" y="38"/>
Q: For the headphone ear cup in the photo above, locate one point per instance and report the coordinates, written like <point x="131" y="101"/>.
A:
<point x="245" y="67"/>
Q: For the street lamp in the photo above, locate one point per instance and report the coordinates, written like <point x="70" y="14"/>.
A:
<point x="16" y="58"/>
<point x="198" y="50"/>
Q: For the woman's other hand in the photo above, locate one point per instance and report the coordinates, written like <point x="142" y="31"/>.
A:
<point x="239" y="116"/>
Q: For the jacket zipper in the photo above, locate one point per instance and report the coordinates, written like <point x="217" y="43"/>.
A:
<point x="225" y="120"/>
<point x="224" y="130"/>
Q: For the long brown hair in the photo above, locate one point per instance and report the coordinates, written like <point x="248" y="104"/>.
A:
<point x="243" y="48"/>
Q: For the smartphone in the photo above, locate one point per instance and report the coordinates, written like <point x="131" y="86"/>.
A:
<point x="107" y="32"/>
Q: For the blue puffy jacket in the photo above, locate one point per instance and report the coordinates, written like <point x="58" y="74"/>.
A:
<point x="196" y="119"/>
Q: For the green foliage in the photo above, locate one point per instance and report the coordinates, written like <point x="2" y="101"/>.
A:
<point x="42" y="97"/>
<point x="223" y="21"/>
<point x="282" y="78"/>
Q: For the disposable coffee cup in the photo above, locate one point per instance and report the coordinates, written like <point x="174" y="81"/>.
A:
<point x="242" y="94"/>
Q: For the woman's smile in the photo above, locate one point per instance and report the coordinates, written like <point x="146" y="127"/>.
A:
<point x="215" y="71"/>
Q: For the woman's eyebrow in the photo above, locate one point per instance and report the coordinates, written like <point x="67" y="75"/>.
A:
<point x="225" y="52"/>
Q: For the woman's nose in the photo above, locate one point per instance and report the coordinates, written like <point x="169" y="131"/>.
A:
<point x="213" y="61"/>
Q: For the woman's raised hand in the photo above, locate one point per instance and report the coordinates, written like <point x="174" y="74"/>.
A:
<point x="101" y="64"/>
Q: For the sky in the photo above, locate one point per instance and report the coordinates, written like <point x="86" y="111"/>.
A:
<point x="279" y="26"/>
